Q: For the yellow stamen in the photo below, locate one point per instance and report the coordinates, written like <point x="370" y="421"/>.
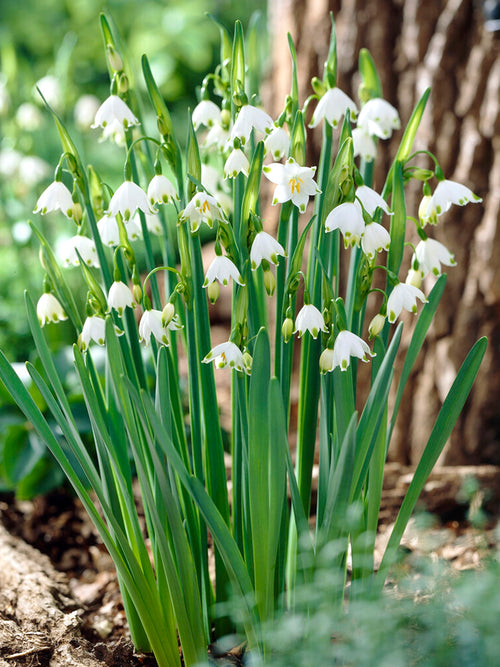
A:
<point x="294" y="184"/>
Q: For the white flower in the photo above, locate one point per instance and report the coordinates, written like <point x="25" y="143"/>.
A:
<point x="48" y="309"/>
<point x="332" y="106"/>
<point x="161" y="190"/>
<point x="363" y="144"/>
<point x="379" y="118"/>
<point x="115" y="132"/>
<point x="120" y="297"/>
<point x="292" y="182"/>
<point x="264" y="246"/>
<point x="346" y="345"/>
<point x="226" y="355"/>
<point x="222" y="269"/>
<point x="127" y="199"/>
<point x="430" y="255"/>
<point x="375" y="239"/>
<point x="404" y="296"/>
<point x="349" y="219"/>
<point x="93" y="329"/>
<point x="85" y="248"/>
<point x="446" y="193"/>
<point x="202" y="208"/>
<point x="277" y="143"/>
<point x="153" y="223"/>
<point x="85" y="110"/>
<point x="108" y="230"/>
<point x="251" y="118"/>
<point x="376" y="325"/>
<point x="309" y="319"/>
<point x="217" y="136"/>
<point x="206" y="113"/>
<point x="236" y="163"/>
<point x="151" y="325"/>
<point x="371" y="200"/>
<point x="56" y="196"/>
<point x="114" y="110"/>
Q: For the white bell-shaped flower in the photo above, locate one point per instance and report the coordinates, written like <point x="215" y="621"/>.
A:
<point x="309" y="318"/>
<point x="226" y="355"/>
<point x="86" y="249"/>
<point x="379" y="118"/>
<point x="222" y="269"/>
<point x="94" y="329"/>
<point x="202" y="208"/>
<point x="151" y="324"/>
<point x="161" y="190"/>
<point x="120" y="297"/>
<point x="55" y="197"/>
<point x="332" y="106"/>
<point x="404" y="296"/>
<point x="236" y="163"/>
<point x="347" y="217"/>
<point x="346" y="345"/>
<point x="128" y="198"/>
<point x="375" y="239"/>
<point x="430" y="254"/>
<point x="363" y="144"/>
<point x="266" y="247"/>
<point x="114" y="110"/>
<point x="293" y="182"/>
<point x="206" y="113"/>
<point x="277" y="143"/>
<point x="371" y="200"/>
<point x="251" y="118"/>
<point x="446" y="193"/>
<point x="48" y="309"/>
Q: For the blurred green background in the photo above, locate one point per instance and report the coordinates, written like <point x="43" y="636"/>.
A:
<point x="58" y="46"/>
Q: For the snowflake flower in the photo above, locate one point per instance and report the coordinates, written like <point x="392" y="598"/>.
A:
<point x="161" y="190"/>
<point x="202" y="208"/>
<point x="250" y="118"/>
<point x="236" y="163"/>
<point x="264" y="246"/>
<point x="363" y="144"/>
<point x="404" y="296"/>
<point x="222" y="269"/>
<point x="120" y="297"/>
<point x="446" y="193"/>
<point x="371" y="200"/>
<point x="55" y="197"/>
<point x="128" y="198"/>
<point x="114" y="111"/>
<point x="379" y="118"/>
<point x="48" y="309"/>
<point x="206" y="113"/>
<point x="292" y="182"/>
<point x="309" y="319"/>
<point x="332" y="106"/>
<point x="151" y="324"/>
<point x="375" y="239"/>
<point x="347" y="217"/>
<point x="277" y="143"/>
<point x="346" y="345"/>
<point x="430" y="254"/>
<point x="94" y="329"/>
<point x="86" y="249"/>
<point x="226" y="355"/>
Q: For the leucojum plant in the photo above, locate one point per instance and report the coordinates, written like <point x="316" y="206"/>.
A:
<point x="205" y="542"/>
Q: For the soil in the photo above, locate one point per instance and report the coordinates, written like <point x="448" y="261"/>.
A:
<point x="59" y="599"/>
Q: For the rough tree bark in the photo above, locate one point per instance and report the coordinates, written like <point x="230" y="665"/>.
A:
<point x="415" y="44"/>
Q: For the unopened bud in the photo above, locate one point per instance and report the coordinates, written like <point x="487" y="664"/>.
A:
<point x="122" y="84"/>
<point x="247" y="361"/>
<point x="422" y="211"/>
<point x="114" y="59"/>
<point x="167" y="314"/>
<point x="137" y="292"/>
<point x="414" y="278"/>
<point x="225" y="118"/>
<point x="326" y="361"/>
<point x="376" y="325"/>
<point x="213" y="291"/>
<point x="77" y="212"/>
<point x="287" y="329"/>
<point x="269" y="282"/>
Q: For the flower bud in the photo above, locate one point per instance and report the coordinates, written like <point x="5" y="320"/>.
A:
<point x="77" y="212"/>
<point x="247" y="362"/>
<point x="167" y="314"/>
<point x="269" y="282"/>
<point x="137" y="292"/>
<point x="376" y="325"/>
<point x="213" y="291"/>
<point x="123" y="84"/>
<point x="326" y="361"/>
<point x="287" y="329"/>
<point x="114" y="59"/>
<point x="414" y="278"/>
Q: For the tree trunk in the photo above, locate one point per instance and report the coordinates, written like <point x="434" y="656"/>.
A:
<point x="415" y="44"/>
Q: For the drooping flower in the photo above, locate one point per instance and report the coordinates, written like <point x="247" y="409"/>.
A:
<point x="86" y="249"/>
<point x="226" y="355"/>
<point x="94" y="329"/>
<point x="430" y="254"/>
<point x="114" y="110"/>
<point x="346" y="345"/>
<point x="375" y="239"/>
<point x="153" y="223"/>
<point x="128" y="198"/>
<point x="363" y="144"/>
<point x="349" y="219"/>
<point x="48" y="309"/>
<point x="222" y="269"/>
<point x="292" y="182"/>
<point x="55" y="197"/>
<point x="266" y="247"/>
<point x="309" y="318"/>
<point x="202" y="208"/>
<point x="446" y="193"/>
<point x="379" y="118"/>
<point x="120" y="297"/>
<point x="109" y="232"/>
<point x="206" y="113"/>
<point x="332" y="106"/>
<point x="161" y="190"/>
<point x="371" y="200"/>
<point x="236" y="163"/>
<point x="404" y="296"/>
<point x="250" y="118"/>
<point x="217" y="136"/>
<point x="376" y="325"/>
<point x="277" y="143"/>
<point x="85" y="110"/>
<point x="151" y="324"/>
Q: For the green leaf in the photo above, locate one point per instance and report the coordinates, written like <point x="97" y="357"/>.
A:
<point x="398" y="220"/>
<point x="371" y="85"/>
